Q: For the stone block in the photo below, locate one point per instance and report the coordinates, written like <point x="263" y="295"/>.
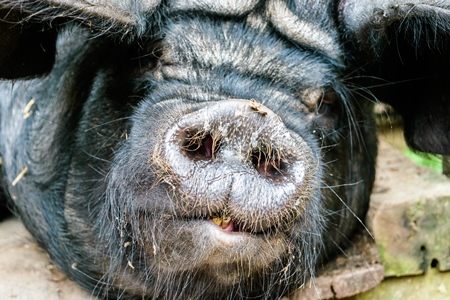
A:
<point x="409" y="215"/>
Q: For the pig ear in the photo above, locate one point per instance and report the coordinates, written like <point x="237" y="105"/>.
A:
<point x="28" y="28"/>
<point x="25" y="49"/>
<point x="405" y="44"/>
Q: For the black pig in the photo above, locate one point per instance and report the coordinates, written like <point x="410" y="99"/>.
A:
<point x="207" y="149"/>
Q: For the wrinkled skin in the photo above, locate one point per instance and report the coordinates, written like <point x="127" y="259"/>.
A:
<point x="218" y="155"/>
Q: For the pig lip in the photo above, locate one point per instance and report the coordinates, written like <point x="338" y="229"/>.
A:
<point x="237" y="225"/>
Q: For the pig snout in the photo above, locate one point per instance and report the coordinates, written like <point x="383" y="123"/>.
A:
<point x="236" y="163"/>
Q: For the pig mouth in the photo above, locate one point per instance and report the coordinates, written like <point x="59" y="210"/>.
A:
<point x="228" y="225"/>
<point x="225" y="222"/>
<point x="233" y="225"/>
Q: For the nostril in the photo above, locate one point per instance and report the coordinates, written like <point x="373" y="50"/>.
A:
<point x="207" y="146"/>
<point x="199" y="145"/>
<point x="268" y="166"/>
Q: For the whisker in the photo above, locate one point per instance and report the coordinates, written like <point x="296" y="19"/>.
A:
<point x="351" y="211"/>
<point x="107" y="123"/>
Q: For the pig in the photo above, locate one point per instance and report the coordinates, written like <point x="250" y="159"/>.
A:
<point x="207" y="149"/>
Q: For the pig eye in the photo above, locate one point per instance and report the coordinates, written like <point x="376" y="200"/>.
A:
<point x="329" y="97"/>
<point x="328" y="100"/>
<point x="329" y="114"/>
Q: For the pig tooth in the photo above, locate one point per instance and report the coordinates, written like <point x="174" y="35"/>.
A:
<point x="217" y="220"/>
<point x="225" y="221"/>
